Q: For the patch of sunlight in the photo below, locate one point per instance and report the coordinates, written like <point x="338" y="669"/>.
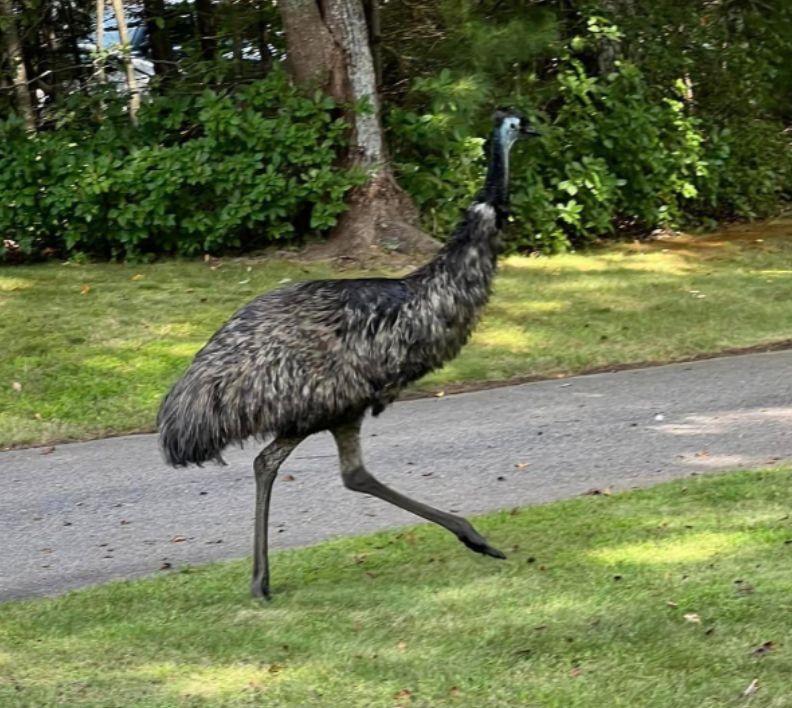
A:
<point x="10" y="285"/>
<point x="187" y="349"/>
<point x="105" y="363"/>
<point x="695" y="547"/>
<point x="215" y="681"/>
<point x="526" y="308"/>
<point x="178" y="329"/>
<point x="513" y="338"/>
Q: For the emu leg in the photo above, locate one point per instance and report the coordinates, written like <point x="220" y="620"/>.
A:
<point x="358" y="479"/>
<point x="266" y="469"/>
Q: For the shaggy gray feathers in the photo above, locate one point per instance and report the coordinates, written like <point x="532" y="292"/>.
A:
<point x="313" y="355"/>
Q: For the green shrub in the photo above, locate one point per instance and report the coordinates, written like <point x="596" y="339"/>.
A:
<point x="617" y="155"/>
<point x="201" y="174"/>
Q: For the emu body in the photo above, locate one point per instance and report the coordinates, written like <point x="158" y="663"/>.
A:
<point x="318" y="355"/>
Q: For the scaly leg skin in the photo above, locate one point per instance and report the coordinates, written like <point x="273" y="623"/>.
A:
<point x="357" y="478"/>
<point x="266" y="469"/>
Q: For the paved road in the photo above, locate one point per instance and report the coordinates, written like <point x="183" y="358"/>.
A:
<point x="91" y="512"/>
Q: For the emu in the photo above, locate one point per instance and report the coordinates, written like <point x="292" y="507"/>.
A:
<point x="318" y="355"/>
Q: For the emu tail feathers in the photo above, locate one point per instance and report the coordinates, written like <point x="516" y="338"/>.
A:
<point x="192" y="424"/>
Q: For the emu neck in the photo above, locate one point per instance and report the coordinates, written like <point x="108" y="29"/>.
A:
<point x="496" y="186"/>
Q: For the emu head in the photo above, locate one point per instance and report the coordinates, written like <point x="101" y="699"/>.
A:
<point x="511" y="126"/>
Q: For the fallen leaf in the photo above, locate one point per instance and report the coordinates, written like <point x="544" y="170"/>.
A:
<point x="440" y="394"/>
<point x="592" y="492"/>
<point x="410" y="538"/>
<point x="693" y="617"/>
<point x="763" y="650"/>
<point x="522" y="465"/>
<point x="85" y="289"/>
<point x="455" y="692"/>
<point x="17" y="386"/>
<point x="401" y="646"/>
<point x="744" y="588"/>
<point x="671" y="604"/>
<point x="288" y="478"/>
<point x="137" y="277"/>
<point x="37" y="416"/>
<point x="608" y="491"/>
<point x="403" y="695"/>
<point x="574" y="671"/>
<point x="244" y="282"/>
<point x="165" y="566"/>
<point x="284" y="281"/>
<point x="753" y="687"/>
<point x="178" y="539"/>
<point x="703" y="453"/>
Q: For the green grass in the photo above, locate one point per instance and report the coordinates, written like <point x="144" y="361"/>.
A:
<point x="597" y="619"/>
<point x="98" y="362"/>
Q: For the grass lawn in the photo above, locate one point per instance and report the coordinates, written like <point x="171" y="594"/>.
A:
<point x="677" y="596"/>
<point x="95" y="347"/>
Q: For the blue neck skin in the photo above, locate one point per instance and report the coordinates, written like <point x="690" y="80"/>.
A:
<point x="496" y="186"/>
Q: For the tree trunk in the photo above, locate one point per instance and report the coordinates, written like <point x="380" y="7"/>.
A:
<point x="99" y="70"/>
<point x="129" y="69"/>
<point x="207" y="28"/>
<point x="161" y="49"/>
<point x="13" y="48"/>
<point x="328" y="46"/>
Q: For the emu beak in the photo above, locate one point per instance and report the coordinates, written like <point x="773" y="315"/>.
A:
<point x="527" y="130"/>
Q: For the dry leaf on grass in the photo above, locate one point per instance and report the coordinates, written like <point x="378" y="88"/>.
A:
<point x="17" y="386"/>
<point x="455" y="692"/>
<point x="403" y="695"/>
<point x="85" y="289"/>
<point x="137" y="277"/>
<point x="574" y="671"/>
<point x="401" y="646"/>
<point x="693" y="617"/>
<point x="763" y="650"/>
<point x="753" y="687"/>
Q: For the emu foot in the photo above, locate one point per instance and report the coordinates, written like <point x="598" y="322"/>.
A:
<point x="476" y="543"/>
<point x="259" y="588"/>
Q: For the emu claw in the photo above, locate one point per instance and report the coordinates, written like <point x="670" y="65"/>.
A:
<point x="479" y="545"/>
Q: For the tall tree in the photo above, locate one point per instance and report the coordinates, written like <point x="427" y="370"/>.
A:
<point x="329" y="46"/>
<point x="159" y="34"/>
<point x="13" y="48"/>
<point x="207" y="28"/>
<point x="129" y="69"/>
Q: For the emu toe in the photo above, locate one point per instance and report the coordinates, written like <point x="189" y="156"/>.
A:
<point x="479" y="545"/>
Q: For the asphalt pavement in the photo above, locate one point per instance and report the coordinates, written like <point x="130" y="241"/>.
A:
<point x="91" y="512"/>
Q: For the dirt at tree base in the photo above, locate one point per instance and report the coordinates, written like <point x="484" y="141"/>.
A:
<point x="381" y="219"/>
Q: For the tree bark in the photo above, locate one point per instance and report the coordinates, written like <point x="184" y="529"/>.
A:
<point x="207" y="28"/>
<point x="329" y="47"/>
<point x="13" y="48"/>
<point x="129" y="69"/>
<point x="99" y="62"/>
<point x="161" y="49"/>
